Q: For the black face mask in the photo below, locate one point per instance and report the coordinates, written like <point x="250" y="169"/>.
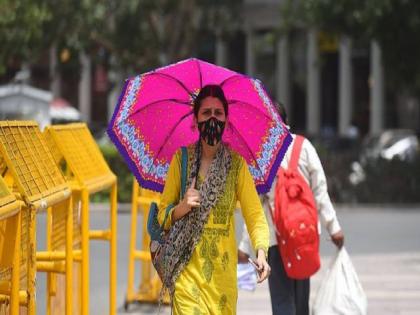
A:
<point x="211" y="130"/>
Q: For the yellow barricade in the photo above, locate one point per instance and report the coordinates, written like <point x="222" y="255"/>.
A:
<point x="88" y="173"/>
<point x="150" y="283"/>
<point x="41" y="186"/>
<point x="10" y="217"/>
<point x="55" y="287"/>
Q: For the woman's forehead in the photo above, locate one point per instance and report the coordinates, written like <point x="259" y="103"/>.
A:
<point x="211" y="102"/>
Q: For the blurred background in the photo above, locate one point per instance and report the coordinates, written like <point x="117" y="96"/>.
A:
<point x="347" y="71"/>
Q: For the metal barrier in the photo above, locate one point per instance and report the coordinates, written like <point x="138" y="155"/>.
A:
<point x="54" y="282"/>
<point x="41" y="186"/>
<point x="88" y="173"/>
<point x="10" y="229"/>
<point x="150" y="284"/>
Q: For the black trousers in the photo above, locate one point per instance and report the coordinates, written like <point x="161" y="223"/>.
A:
<point x="288" y="296"/>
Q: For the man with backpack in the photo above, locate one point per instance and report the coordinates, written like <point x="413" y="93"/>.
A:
<point x="297" y="195"/>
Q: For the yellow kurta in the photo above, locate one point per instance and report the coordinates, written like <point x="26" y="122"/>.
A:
<point x="208" y="284"/>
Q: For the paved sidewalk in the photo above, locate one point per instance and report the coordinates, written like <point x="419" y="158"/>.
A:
<point x="391" y="282"/>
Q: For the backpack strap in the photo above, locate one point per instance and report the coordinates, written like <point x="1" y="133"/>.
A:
<point x="297" y="148"/>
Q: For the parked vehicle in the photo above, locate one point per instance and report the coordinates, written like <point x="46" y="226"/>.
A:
<point x="390" y="144"/>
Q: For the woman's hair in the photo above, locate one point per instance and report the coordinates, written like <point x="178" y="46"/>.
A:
<point x="282" y="112"/>
<point x="210" y="90"/>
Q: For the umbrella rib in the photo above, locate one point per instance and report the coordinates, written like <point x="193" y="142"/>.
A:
<point x="173" y="78"/>
<point x="156" y="102"/>
<point x="231" y="77"/>
<point x="242" y="138"/>
<point x="172" y="130"/>
<point x="233" y="102"/>
<point x="199" y="72"/>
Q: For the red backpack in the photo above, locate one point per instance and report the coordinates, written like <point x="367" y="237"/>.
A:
<point x="295" y="218"/>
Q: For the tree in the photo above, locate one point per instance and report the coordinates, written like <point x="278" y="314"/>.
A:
<point x="139" y="34"/>
<point x="20" y="30"/>
<point x="142" y="34"/>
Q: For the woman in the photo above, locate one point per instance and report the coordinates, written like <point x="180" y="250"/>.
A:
<point x="203" y="247"/>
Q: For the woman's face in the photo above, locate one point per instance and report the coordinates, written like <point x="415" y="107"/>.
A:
<point x="211" y="107"/>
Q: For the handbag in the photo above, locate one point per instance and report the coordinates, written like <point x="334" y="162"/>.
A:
<point x="158" y="235"/>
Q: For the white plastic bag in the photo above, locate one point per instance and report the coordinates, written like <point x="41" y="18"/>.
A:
<point x="340" y="292"/>
<point x="247" y="277"/>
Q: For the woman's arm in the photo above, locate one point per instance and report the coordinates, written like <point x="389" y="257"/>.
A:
<point x="171" y="190"/>
<point x="254" y="217"/>
<point x="190" y="200"/>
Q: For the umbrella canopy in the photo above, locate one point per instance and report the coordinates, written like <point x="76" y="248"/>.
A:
<point x="154" y="117"/>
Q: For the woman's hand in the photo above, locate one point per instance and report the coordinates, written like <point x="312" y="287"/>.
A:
<point x="191" y="200"/>
<point x="192" y="197"/>
<point x="264" y="269"/>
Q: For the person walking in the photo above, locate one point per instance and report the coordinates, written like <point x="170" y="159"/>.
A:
<point x="203" y="250"/>
<point x="291" y="296"/>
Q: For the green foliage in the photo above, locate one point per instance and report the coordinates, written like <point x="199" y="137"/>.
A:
<point x="20" y="29"/>
<point x="73" y="23"/>
<point x="143" y="34"/>
<point x="397" y="30"/>
<point x="353" y="17"/>
<point x="138" y="34"/>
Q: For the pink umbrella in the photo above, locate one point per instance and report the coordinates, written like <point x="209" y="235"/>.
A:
<point x="154" y="117"/>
